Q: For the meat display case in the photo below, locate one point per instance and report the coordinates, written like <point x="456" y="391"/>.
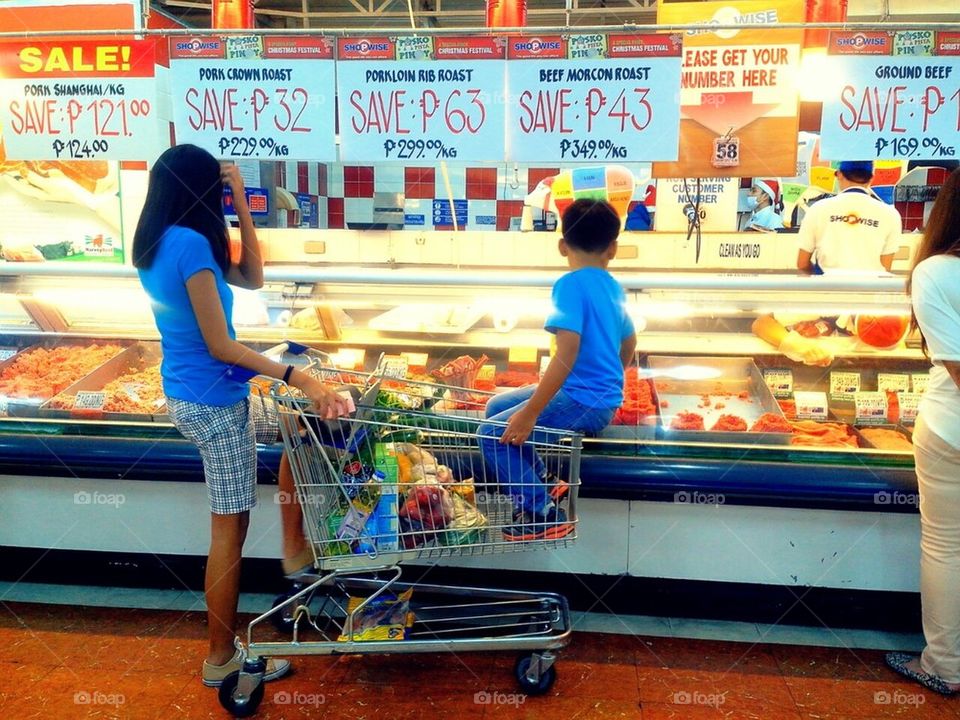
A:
<point x="445" y="312"/>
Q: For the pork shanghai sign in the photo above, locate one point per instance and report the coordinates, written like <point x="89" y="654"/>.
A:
<point x="896" y="96"/>
<point x="83" y="100"/>
<point x="255" y="97"/>
<point x="594" y="97"/>
<point x="421" y="98"/>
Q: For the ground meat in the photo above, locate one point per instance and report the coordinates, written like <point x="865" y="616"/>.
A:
<point x="687" y="421"/>
<point x="884" y="439"/>
<point x="771" y="422"/>
<point x="811" y="433"/>
<point x="730" y="423"/>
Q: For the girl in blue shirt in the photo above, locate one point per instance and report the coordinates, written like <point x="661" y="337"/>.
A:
<point x="181" y="250"/>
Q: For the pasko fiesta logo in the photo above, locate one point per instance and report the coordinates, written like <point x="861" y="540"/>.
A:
<point x="535" y="46"/>
<point x="854" y="219"/>
<point x="365" y="47"/>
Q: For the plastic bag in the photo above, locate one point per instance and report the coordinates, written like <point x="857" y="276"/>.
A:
<point x="468" y="525"/>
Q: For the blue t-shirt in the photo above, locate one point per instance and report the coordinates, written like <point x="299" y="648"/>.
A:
<point x="189" y="371"/>
<point x="592" y="304"/>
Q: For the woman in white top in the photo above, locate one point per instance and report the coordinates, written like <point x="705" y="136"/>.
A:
<point x="935" y="289"/>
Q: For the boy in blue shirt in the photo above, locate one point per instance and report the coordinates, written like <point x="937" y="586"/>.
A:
<point x="583" y="384"/>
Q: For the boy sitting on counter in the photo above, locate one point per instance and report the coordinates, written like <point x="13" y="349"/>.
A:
<point x="582" y="386"/>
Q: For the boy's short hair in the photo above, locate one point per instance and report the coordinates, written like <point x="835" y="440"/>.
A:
<point x="590" y="225"/>
<point x="858" y="171"/>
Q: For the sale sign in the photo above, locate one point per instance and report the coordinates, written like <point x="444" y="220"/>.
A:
<point x="738" y="100"/>
<point x="255" y="97"/>
<point x="888" y="104"/>
<point x="593" y="98"/>
<point x="421" y="98"/>
<point x="78" y="100"/>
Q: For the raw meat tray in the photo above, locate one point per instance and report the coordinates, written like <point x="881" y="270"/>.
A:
<point x="729" y="375"/>
<point x="30" y="407"/>
<point x="135" y="358"/>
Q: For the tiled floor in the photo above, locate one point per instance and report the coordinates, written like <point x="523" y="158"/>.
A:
<point x="71" y="661"/>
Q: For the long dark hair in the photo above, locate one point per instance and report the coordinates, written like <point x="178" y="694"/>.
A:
<point x="941" y="236"/>
<point x="185" y="189"/>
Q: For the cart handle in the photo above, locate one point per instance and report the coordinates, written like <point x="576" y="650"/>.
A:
<point x="243" y="375"/>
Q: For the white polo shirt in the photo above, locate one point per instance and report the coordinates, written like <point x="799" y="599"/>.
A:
<point x="850" y="231"/>
<point x="936" y="301"/>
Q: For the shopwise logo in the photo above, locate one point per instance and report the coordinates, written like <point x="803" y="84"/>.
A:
<point x="365" y="47"/>
<point x="535" y="46"/>
<point x="862" y="41"/>
<point x="732" y="16"/>
<point x="854" y="219"/>
<point x="196" y="46"/>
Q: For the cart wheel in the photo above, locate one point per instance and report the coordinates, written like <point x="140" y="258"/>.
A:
<point x="541" y="685"/>
<point x="283" y="621"/>
<point x="240" y="708"/>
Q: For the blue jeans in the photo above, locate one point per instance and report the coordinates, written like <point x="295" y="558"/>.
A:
<point x="519" y="470"/>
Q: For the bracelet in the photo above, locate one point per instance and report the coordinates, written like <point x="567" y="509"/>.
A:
<point x="287" y="374"/>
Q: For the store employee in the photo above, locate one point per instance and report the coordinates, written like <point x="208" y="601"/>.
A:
<point x="765" y="205"/>
<point x="852" y="230"/>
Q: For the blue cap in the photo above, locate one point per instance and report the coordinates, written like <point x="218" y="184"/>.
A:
<point x="856" y="166"/>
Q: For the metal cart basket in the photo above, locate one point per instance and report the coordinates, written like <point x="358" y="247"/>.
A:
<point x="409" y="483"/>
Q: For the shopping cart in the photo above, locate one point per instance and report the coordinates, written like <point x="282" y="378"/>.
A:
<point x="390" y="485"/>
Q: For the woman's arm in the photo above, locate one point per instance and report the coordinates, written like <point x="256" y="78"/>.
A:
<point x="628" y="349"/>
<point x="248" y="273"/>
<point x="205" y="300"/>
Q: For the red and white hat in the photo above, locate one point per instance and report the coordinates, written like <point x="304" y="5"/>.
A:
<point x="770" y="186"/>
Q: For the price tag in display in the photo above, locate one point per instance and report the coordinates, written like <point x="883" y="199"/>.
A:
<point x="350" y="358"/>
<point x="909" y="404"/>
<point x="844" y="385"/>
<point x="7" y="353"/>
<point x="870" y="408"/>
<point x="780" y="381"/>
<point x="416" y="362"/>
<point x="78" y="100"/>
<point x="893" y="382"/>
<point x="811" y="405"/>
<point x="255" y="98"/>
<point x="566" y="104"/>
<point x="424" y="110"/>
<point x="920" y="382"/>
<point x="394" y="367"/>
<point x="523" y="357"/>
<point x="86" y="400"/>
<point x="726" y="152"/>
<point x="487" y="373"/>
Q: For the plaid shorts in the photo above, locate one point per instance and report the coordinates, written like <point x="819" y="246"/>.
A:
<point x="227" y="439"/>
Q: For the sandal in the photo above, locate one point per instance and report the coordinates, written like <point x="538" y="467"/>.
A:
<point x="897" y="662"/>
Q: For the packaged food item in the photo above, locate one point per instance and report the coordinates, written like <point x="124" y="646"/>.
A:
<point x="387" y="617"/>
<point x="359" y="511"/>
<point x="428" y="505"/>
<point x="388" y="516"/>
<point x="467" y="526"/>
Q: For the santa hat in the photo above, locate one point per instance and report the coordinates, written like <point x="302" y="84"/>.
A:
<point x="770" y="187"/>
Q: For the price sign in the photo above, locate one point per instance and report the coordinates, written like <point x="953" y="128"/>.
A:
<point x="780" y="381"/>
<point x="416" y="362"/>
<point x="920" y="382"/>
<point x="78" y="100"/>
<point x="89" y="400"/>
<point x="487" y="373"/>
<point x="844" y="385"/>
<point x="909" y="404"/>
<point x="255" y="98"/>
<point x="811" y="405"/>
<point x="886" y="107"/>
<point x="448" y="108"/>
<point x="349" y="358"/>
<point x="893" y="382"/>
<point x="394" y="366"/>
<point x="566" y="104"/>
<point x="870" y="408"/>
